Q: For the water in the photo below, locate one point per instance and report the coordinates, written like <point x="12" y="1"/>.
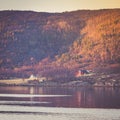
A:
<point x="52" y="113"/>
<point x="40" y="103"/>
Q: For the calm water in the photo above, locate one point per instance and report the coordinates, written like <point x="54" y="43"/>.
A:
<point x="61" y="97"/>
<point x="59" y="103"/>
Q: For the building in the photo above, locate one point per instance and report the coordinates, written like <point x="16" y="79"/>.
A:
<point x="81" y="73"/>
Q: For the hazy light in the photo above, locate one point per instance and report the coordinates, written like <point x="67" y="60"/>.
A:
<point x="57" y="5"/>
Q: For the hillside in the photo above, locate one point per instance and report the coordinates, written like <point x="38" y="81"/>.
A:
<point x="57" y="44"/>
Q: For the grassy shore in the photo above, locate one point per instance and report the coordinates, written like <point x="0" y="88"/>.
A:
<point x="104" y="77"/>
<point x="17" y="81"/>
<point x="95" y="80"/>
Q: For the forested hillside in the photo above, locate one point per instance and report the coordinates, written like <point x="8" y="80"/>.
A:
<point x="57" y="44"/>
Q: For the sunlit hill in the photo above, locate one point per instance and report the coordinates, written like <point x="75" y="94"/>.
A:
<point x="57" y="45"/>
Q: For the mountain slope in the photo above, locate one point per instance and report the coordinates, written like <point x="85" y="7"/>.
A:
<point x="67" y="40"/>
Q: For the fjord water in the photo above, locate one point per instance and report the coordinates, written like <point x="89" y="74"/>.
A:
<point x="19" y="103"/>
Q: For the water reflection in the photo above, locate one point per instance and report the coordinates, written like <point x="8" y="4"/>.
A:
<point x="80" y="97"/>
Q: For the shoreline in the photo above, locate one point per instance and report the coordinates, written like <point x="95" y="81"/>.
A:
<point x="95" y="79"/>
<point x="81" y="82"/>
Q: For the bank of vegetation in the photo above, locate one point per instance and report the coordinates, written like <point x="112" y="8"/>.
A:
<point x="57" y="45"/>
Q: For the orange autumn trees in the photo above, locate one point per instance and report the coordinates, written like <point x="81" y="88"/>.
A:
<point x="71" y="40"/>
<point x="101" y="41"/>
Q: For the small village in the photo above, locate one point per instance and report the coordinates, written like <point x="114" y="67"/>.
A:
<point x="82" y="78"/>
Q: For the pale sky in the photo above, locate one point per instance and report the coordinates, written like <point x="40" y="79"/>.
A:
<point x="57" y="5"/>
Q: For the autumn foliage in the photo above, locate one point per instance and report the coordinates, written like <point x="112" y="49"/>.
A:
<point x="56" y="45"/>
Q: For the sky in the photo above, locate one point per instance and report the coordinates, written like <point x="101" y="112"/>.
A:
<point x="57" y="5"/>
